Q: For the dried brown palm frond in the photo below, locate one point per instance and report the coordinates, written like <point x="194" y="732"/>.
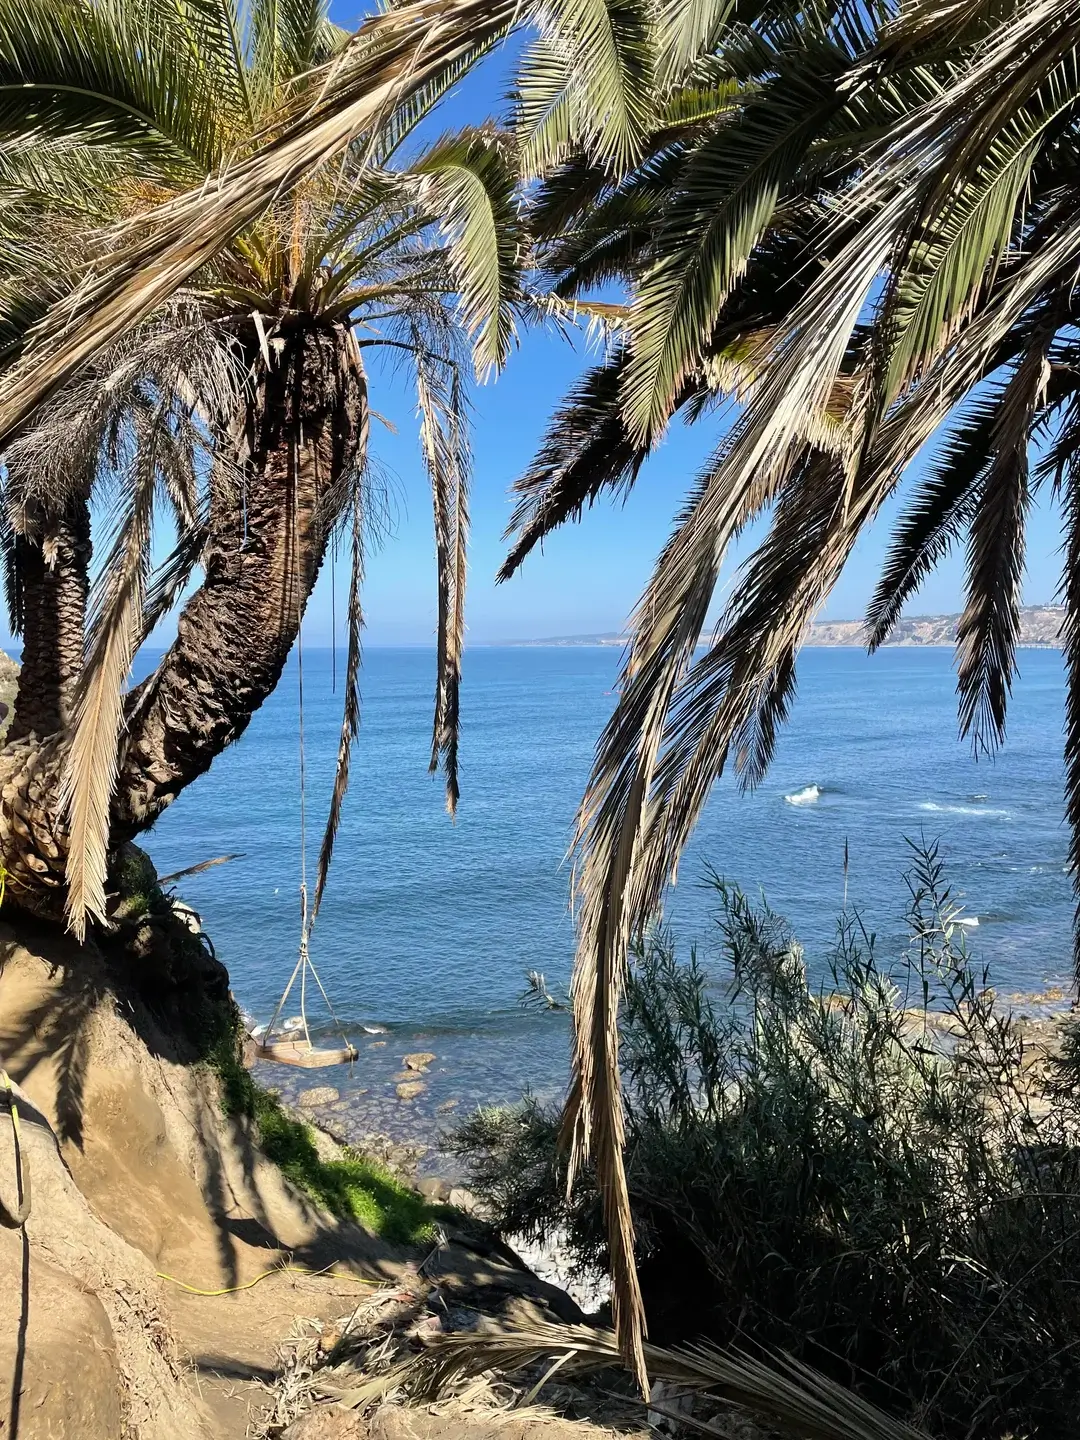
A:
<point x="784" y="1392"/>
<point x="445" y="448"/>
<point x="140" y="420"/>
<point x="1070" y="635"/>
<point x="198" y="868"/>
<point x="350" y="720"/>
<point x="91" y="763"/>
<point x="172" y="577"/>
<point x="178" y="353"/>
<point x="146" y="261"/>
<point x="615" y="814"/>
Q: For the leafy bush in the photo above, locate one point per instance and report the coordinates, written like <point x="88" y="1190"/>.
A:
<point x="875" y="1177"/>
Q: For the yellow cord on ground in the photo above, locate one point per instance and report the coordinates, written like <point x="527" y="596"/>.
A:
<point x="327" y="1274"/>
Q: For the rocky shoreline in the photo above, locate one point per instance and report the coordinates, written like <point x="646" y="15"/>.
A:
<point x="414" y="1153"/>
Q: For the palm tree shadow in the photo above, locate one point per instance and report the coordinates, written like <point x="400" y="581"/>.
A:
<point x="55" y="1029"/>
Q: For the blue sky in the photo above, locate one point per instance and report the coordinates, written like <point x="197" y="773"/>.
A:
<point x="589" y="575"/>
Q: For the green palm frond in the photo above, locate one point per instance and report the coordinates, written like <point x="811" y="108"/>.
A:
<point x="586" y="451"/>
<point x="726" y="198"/>
<point x="65" y="175"/>
<point x="470" y="183"/>
<point x="587" y="80"/>
<point x="939" y="514"/>
<point x="288" y="38"/>
<point x="213" y="32"/>
<point x="104" y="71"/>
<point x="990" y="624"/>
<point x="177" y="238"/>
<point x="402" y="120"/>
<point x="613" y="237"/>
<point x="546" y="117"/>
<point x="939" y="284"/>
<point x="688" y="29"/>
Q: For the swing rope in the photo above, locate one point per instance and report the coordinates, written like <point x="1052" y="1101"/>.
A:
<point x="304" y="962"/>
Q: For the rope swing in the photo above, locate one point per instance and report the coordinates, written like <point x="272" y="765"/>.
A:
<point x="288" y="1049"/>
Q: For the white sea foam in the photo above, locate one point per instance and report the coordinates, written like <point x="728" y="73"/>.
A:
<point x="808" y="795"/>
<point x="969" y="922"/>
<point x="937" y="809"/>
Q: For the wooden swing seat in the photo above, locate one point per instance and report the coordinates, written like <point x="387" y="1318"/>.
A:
<point x="304" y="1054"/>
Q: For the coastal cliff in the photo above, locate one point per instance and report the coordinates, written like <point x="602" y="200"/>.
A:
<point x="1040" y="627"/>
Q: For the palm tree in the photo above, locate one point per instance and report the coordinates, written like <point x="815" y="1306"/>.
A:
<point x="614" y="98"/>
<point x="856" y="229"/>
<point x="240" y="405"/>
<point x="589" y="82"/>
<point x="869" y="247"/>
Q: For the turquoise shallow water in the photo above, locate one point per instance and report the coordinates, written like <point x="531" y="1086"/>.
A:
<point x="428" y="927"/>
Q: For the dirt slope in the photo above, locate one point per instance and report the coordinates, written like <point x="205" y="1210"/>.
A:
<point x="135" y="1171"/>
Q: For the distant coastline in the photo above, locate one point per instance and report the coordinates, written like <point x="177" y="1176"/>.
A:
<point x="1040" y="628"/>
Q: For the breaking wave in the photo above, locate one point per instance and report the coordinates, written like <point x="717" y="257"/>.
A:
<point x="808" y="795"/>
<point x="937" y="809"/>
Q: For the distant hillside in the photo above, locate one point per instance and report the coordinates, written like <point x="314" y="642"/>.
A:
<point x="1040" y="626"/>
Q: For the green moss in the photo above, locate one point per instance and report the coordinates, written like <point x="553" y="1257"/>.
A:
<point x="135" y="883"/>
<point x="354" y="1187"/>
<point x="223" y="1053"/>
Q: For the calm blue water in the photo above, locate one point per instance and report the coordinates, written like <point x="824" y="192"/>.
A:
<point x="428" y="927"/>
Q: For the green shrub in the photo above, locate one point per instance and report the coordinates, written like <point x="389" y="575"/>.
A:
<point x="872" y="1177"/>
<point x="353" y="1187"/>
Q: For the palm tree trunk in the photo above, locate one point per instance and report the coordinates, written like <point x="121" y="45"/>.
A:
<point x="54" y="568"/>
<point x="299" y="441"/>
<point x="33" y="844"/>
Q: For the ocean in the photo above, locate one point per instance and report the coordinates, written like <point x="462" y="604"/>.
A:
<point x="428" y="927"/>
